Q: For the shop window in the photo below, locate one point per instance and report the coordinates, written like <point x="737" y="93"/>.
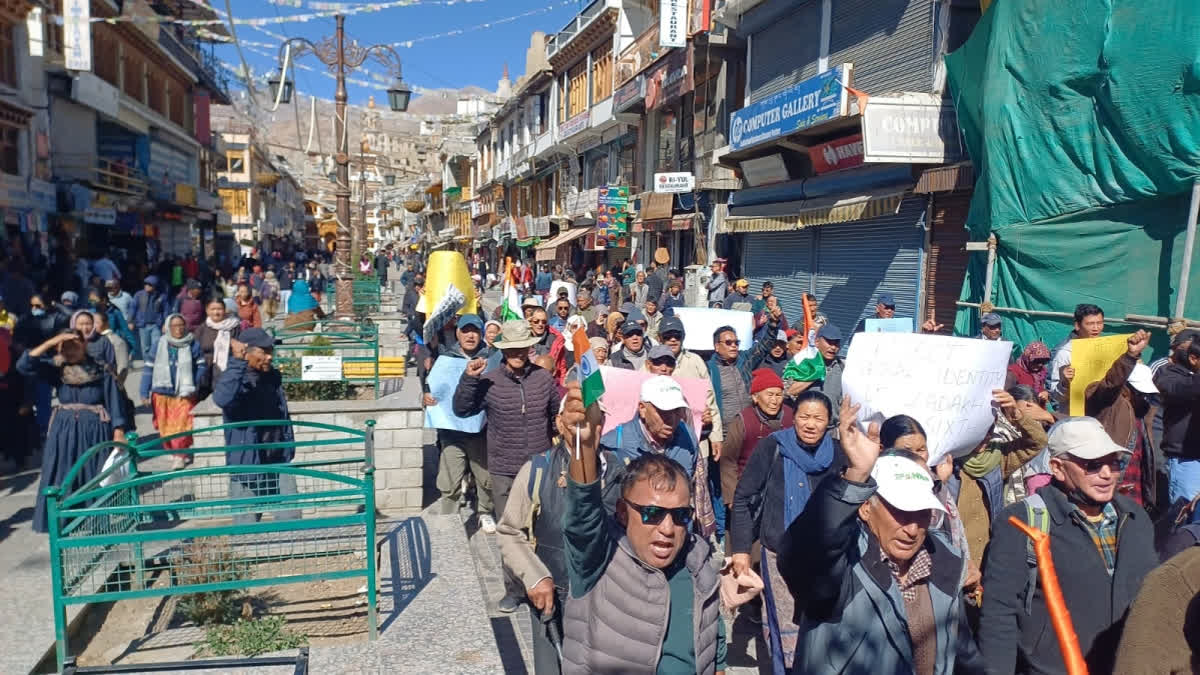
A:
<point x="667" y="148"/>
<point x="577" y="92"/>
<point x="236" y="162"/>
<point x="8" y="55"/>
<point x="627" y="165"/>
<point x="10" y="149"/>
<point x="597" y="170"/>
<point x="602" y="74"/>
<point x="562" y="102"/>
<point x="543" y="104"/>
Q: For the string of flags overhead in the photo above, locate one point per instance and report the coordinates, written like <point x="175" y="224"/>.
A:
<point x="332" y="9"/>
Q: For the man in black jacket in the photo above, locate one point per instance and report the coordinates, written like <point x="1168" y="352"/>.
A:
<point x="1179" y="386"/>
<point x="1103" y="546"/>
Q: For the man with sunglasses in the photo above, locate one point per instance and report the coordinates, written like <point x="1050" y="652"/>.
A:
<point x="633" y="351"/>
<point x="643" y="595"/>
<point x="1103" y="545"/>
<point x="688" y="364"/>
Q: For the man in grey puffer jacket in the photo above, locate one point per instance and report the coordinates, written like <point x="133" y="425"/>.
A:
<point x="643" y="596"/>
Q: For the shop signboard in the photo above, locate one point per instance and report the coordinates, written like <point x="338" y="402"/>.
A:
<point x="841" y="153"/>
<point x="100" y="215"/>
<point x="574" y="125"/>
<point x="673" y="23"/>
<point x="185" y="194"/>
<point x="630" y="94"/>
<point x="77" y="34"/>
<point x="678" y="181"/>
<point x="912" y="128"/>
<point x="670" y="79"/>
<point x="612" y="215"/>
<point x="539" y="227"/>
<point x="803" y="105"/>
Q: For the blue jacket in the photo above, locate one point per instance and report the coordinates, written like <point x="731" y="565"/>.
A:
<point x="156" y="309"/>
<point x="849" y="606"/>
<point x="199" y="370"/>
<point x="628" y="443"/>
<point x="244" y="394"/>
<point x="542" y="281"/>
<point x="747" y="361"/>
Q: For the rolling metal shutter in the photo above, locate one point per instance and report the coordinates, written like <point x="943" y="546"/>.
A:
<point x="947" y="264"/>
<point x="785" y="52"/>
<point x="786" y="260"/>
<point x="890" y="43"/>
<point x="859" y="260"/>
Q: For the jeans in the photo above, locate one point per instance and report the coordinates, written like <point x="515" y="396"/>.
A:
<point x="718" y="504"/>
<point x="283" y="301"/>
<point x="262" y="485"/>
<point x="148" y="336"/>
<point x="1183" y="480"/>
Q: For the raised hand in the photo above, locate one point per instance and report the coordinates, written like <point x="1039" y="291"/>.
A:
<point x="860" y="449"/>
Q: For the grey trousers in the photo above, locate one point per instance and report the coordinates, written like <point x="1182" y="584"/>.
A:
<point x="460" y="454"/>
<point x="262" y="485"/>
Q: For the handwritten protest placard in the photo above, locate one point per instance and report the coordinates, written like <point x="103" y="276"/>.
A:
<point x="443" y="380"/>
<point x="622" y="389"/>
<point x="893" y="325"/>
<point x="944" y="382"/>
<point x="1091" y="358"/>
<point x="700" y="322"/>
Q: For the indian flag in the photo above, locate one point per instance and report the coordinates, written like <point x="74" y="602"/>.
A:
<point x="510" y="300"/>
<point x="590" y="379"/>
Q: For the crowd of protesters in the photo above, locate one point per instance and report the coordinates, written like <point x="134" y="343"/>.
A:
<point x="840" y="540"/>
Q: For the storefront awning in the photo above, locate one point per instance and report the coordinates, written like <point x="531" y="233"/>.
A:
<point x="545" y="250"/>
<point x="681" y="221"/>
<point x="820" y="211"/>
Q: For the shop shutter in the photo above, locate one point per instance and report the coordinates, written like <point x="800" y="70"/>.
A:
<point x="786" y="260"/>
<point x="890" y="43"/>
<point x="785" y="52"/>
<point x="857" y="261"/>
<point x="946" y="266"/>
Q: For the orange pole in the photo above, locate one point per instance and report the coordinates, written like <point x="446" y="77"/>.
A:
<point x="1060" y="617"/>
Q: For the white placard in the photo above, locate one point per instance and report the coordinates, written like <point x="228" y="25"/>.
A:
<point x="677" y="181"/>
<point x="554" y="286"/>
<point x="700" y="322"/>
<point x="673" y="23"/>
<point x="321" y="368"/>
<point x="77" y="34"/>
<point x="945" y="383"/>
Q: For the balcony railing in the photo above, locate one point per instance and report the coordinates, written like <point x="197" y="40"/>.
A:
<point x="118" y="177"/>
<point x="577" y="25"/>
<point x="186" y="49"/>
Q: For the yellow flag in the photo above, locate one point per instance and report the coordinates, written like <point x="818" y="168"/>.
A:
<point x="1091" y="358"/>
<point x="443" y="269"/>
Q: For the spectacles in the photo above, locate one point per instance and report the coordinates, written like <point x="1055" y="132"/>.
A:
<point x="538" y="322"/>
<point x="731" y="343"/>
<point x="1117" y="463"/>
<point x="654" y="515"/>
<point x="668" y="337"/>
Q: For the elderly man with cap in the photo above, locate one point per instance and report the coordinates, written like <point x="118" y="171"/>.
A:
<point x="863" y="564"/>
<point x="660" y="360"/>
<point x="251" y="388"/>
<point x="885" y="308"/>
<point x="1178" y="383"/>
<point x="718" y="284"/>
<point x="1103" y="546"/>
<point x="529" y="304"/>
<point x="632" y="354"/>
<point x="586" y="307"/>
<point x="740" y="298"/>
<point x="687" y="364"/>
<point x="662" y="426"/>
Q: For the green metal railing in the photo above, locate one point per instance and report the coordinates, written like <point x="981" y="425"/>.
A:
<point x="357" y="343"/>
<point x="204" y="526"/>
<point x="367" y="295"/>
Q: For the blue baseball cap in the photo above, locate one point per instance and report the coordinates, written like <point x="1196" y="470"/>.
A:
<point x="887" y="300"/>
<point x="470" y="321"/>
<point x="830" y="332"/>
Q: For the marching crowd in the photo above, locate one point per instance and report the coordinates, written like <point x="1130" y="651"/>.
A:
<point x="854" y="554"/>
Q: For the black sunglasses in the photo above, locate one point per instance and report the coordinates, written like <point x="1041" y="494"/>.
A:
<point x="653" y="515"/>
<point x="1117" y="464"/>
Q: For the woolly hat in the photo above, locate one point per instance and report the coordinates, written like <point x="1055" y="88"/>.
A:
<point x="764" y="378"/>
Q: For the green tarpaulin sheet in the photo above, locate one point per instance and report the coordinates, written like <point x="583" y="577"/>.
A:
<point x="1083" y="120"/>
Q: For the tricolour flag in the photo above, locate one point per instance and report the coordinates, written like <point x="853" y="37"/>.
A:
<point x="806" y="366"/>
<point x="510" y="300"/>
<point x="590" y="379"/>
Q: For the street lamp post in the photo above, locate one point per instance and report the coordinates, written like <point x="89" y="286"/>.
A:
<point x="338" y="55"/>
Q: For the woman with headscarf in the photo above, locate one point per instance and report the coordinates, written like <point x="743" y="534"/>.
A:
<point x="89" y="411"/>
<point x="215" y="336"/>
<point x="302" y="308"/>
<point x="1030" y="370"/>
<point x="247" y="309"/>
<point x="170" y="385"/>
<point x="98" y="347"/>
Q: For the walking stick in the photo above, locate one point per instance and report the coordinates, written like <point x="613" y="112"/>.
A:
<point x="1060" y="618"/>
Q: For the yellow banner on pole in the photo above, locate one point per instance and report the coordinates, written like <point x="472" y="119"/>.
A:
<point x="1091" y="358"/>
<point x="446" y="268"/>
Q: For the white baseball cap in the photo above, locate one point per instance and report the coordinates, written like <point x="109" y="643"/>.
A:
<point x="1142" y="379"/>
<point x="663" y="393"/>
<point x="905" y="484"/>
<point x="1082" y="437"/>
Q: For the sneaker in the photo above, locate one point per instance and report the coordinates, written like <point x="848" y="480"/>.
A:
<point x="179" y="463"/>
<point x="508" y="604"/>
<point x="487" y="524"/>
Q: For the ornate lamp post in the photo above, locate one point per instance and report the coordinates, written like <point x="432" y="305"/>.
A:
<point x="338" y="55"/>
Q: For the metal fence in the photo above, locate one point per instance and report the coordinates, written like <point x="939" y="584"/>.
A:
<point x="131" y="532"/>
<point x="355" y="343"/>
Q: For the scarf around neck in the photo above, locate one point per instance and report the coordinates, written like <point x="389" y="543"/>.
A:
<point x="224" y="336"/>
<point x="798" y="463"/>
<point x="183" y="383"/>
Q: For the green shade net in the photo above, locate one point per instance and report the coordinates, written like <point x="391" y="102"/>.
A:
<point x="1083" y="120"/>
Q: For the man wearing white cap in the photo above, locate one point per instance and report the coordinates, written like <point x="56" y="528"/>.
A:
<point x="1121" y="402"/>
<point x="1103" y="546"/>
<point x="879" y="589"/>
<point x="661" y="426"/>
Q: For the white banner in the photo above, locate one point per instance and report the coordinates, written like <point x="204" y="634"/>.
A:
<point x="699" y="323"/>
<point x="320" y="368"/>
<point x="945" y="383"/>
<point x="673" y="23"/>
<point x="77" y="34"/>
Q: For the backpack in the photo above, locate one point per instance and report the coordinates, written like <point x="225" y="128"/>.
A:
<point x="539" y="465"/>
<point x="1039" y="518"/>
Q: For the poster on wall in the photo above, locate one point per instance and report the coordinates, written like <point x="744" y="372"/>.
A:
<point x="612" y="216"/>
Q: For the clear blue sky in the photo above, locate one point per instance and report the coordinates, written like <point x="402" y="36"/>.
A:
<point x="475" y="57"/>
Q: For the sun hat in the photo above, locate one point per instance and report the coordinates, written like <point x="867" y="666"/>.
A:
<point x="514" y="334"/>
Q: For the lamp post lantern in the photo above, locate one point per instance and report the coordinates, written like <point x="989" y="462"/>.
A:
<point x="338" y="55"/>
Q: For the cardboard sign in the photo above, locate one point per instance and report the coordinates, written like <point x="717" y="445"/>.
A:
<point x="321" y="368"/>
<point x="1091" y="358"/>
<point x="945" y="383"/>
<point x="623" y="388"/>
<point x="443" y="380"/>
<point x="893" y="325"/>
<point x="700" y="322"/>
